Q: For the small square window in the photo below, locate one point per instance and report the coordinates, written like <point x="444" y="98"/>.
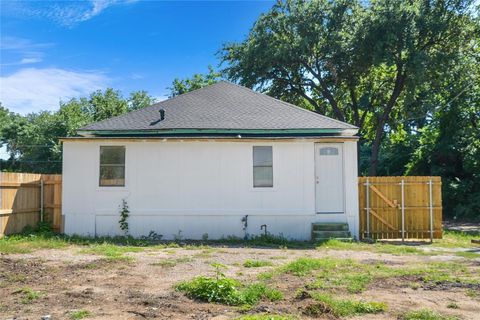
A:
<point x="112" y="166"/>
<point x="262" y="167"/>
<point x="329" y="151"/>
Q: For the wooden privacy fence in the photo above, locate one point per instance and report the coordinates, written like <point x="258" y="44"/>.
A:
<point x="27" y="198"/>
<point x="400" y="207"/>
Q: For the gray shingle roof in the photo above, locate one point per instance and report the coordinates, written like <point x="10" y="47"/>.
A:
<point x="223" y="105"/>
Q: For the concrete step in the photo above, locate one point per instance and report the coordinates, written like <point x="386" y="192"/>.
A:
<point x="329" y="226"/>
<point x="330" y="234"/>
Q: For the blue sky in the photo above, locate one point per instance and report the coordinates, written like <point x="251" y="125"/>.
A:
<point x="59" y="50"/>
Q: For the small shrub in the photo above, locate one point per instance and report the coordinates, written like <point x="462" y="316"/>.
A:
<point x="79" y="314"/>
<point x="124" y="213"/>
<point x="221" y="289"/>
<point x="425" y="315"/>
<point x="256" y="263"/>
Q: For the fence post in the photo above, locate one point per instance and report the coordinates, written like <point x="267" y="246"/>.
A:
<point x="431" y="208"/>
<point x="367" y="194"/>
<point x="403" y="209"/>
<point x="42" y="203"/>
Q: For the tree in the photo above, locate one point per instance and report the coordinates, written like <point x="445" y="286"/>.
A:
<point x="449" y="144"/>
<point x="104" y="105"/>
<point x="358" y="62"/>
<point x="140" y="99"/>
<point x="197" y="81"/>
<point x="32" y="141"/>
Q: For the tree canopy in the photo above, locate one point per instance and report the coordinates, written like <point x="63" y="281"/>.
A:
<point x="32" y="141"/>
<point x="197" y="81"/>
<point x="361" y="62"/>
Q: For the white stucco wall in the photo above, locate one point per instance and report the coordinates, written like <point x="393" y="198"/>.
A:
<point x="199" y="187"/>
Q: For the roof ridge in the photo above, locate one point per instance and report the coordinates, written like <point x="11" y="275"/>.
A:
<point x="292" y="105"/>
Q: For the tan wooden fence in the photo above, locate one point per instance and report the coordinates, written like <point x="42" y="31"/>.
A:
<point x="400" y="207"/>
<point x="23" y="198"/>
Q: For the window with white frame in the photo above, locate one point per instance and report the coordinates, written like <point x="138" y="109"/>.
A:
<point x="262" y="167"/>
<point x="112" y="166"/>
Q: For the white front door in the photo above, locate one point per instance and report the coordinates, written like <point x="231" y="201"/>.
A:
<point x="329" y="178"/>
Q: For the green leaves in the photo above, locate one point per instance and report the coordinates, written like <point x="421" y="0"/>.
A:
<point x="197" y="81"/>
<point x="33" y="140"/>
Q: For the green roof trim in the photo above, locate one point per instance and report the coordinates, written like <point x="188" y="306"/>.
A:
<point x="174" y="132"/>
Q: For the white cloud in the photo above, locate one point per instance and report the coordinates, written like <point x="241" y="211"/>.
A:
<point x="66" y="13"/>
<point x="30" y="52"/>
<point x="33" y="89"/>
<point x="30" y="60"/>
<point x="20" y="44"/>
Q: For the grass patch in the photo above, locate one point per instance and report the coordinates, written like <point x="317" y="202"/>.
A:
<point x="169" y="263"/>
<point x="332" y="273"/>
<point x="26" y="244"/>
<point x="28" y="295"/>
<point x="378" y="247"/>
<point x="354" y="277"/>
<point x="111" y="251"/>
<point x="343" y="307"/>
<point x="221" y="289"/>
<point x="471" y="293"/>
<point x="79" y="314"/>
<point x="264" y="316"/>
<point x="425" y="315"/>
<point x="457" y="239"/>
<point x="468" y="254"/>
<point x="256" y="263"/>
<point x="452" y="305"/>
<point x="304" y="266"/>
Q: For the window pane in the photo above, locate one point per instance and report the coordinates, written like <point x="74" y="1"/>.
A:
<point x="112" y="175"/>
<point x="262" y="176"/>
<point x="112" y="155"/>
<point x="262" y="156"/>
<point x="328" y="151"/>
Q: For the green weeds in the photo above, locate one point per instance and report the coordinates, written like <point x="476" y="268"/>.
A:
<point x="425" y="315"/>
<point x="256" y="263"/>
<point x="112" y="252"/>
<point x="266" y="317"/>
<point x="342" y="307"/>
<point x="79" y="314"/>
<point x="221" y="289"/>
<point x="28" y="295"/>
<point x="354" y="277"/>
<point x="170" y="263"/>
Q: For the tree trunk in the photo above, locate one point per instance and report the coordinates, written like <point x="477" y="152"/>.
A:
<point x="399" y="84"/>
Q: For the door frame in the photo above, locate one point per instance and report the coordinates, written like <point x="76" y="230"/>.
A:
<point x="341" y="146"/>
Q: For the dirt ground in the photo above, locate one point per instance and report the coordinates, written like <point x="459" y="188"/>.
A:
<point x="69" y="280"/>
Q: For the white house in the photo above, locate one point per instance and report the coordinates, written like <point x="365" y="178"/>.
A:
<point x="219" y="161"/>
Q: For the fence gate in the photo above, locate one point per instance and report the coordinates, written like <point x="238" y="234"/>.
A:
<point x="400" y="207"/>
<point x="26" y="198"/>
